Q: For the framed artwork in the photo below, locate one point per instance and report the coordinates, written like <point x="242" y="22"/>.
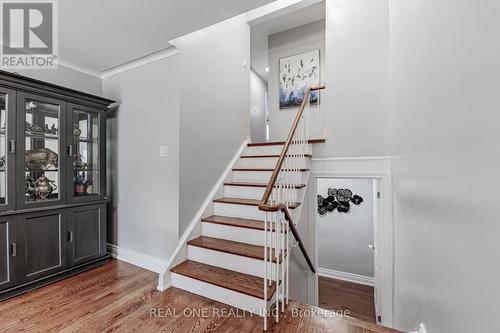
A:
<point x="297" y="73"/>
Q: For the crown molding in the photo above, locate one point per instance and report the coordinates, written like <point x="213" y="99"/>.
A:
<point x="171" y="51"/>
<point x="79" y="69"/>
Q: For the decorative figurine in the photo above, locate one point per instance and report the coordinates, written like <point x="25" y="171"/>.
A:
<point x="76" y="130"/>
<point x="337" y="200"/>
<point x="90" y="189"/>
<point x="77" y="161"/>
<point x="53" y="129"/>
<point x="36" y="129"/>
<point x="2" y="163"/>
<point x="42" y="158"/>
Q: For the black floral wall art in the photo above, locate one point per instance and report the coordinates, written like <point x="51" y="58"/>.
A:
<point x="337" y="199"/>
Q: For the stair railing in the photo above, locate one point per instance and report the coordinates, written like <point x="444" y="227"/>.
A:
<point x="279" y="196"/>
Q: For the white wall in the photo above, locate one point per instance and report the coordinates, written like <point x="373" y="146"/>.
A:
<point x="295" y="41"/>
<point x="446" y="142"/>
<point x="214" y="102"/>
<point x="258" y="90"/>
<point x="144" y="186"/>
<point x="356" y="99"/>
<point x="66" y="77"/>
<point x="343" y="238"/>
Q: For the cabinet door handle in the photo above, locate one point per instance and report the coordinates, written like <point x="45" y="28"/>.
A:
<point x="14" y="249"/>
<point x="70" y="151"/>
<point x="70" y="236"/>
<point x="12" y="146"/>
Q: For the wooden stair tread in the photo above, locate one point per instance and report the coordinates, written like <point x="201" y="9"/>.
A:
<point x="236" y="222"/>
<point x="277" y="143"/>
<point x="225" y="278"/>
<point x="231" y="247"/>
<point x="258" y="184"/>
<point x="267" y="156"/>
<point x="249" y="202"/>
<point x="262" y="169"/>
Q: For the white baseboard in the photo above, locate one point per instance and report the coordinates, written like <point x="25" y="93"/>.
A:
<point x="142" y="260"/>
<point x="330" y="273"/>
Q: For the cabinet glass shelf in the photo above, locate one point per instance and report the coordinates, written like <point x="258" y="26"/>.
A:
<point x="42" y="150"/>
<point x="86" y="153"/>
<point x="42" y="136"/>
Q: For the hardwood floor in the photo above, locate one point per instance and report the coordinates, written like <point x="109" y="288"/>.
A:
<point x="342" y="295"/>
<point x="119" y="297"/>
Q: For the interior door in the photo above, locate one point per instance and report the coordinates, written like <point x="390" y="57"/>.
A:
<point x="42" y="244"/>
<point x="8" y="253"/>
<point x="7" y="148"/>
<point x="41" y="127"/>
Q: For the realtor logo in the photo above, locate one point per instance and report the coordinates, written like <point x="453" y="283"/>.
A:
<point x="29" y="34"/>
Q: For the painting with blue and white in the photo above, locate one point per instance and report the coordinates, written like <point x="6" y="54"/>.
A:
<point x="297" y="73"/>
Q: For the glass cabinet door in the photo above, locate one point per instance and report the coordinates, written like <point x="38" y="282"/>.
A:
<point x="86" y="163"/>
<point x="42" y="135"/>
<point x="7" y="148"/>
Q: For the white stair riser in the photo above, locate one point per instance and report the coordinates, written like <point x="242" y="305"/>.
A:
<point x="269" y="162"/>
<point x="269" y="150"/>
<point x="249" y="192"/>
<point x="237" y="234"/>
<point x="264" y="150"/>
<point x="262" y="176"/>
<point x="242" y="211"/>
<point x="230" y="261"/>
<point x="223" y="295"/>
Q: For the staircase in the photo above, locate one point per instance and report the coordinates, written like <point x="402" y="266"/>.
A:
<point x="241" y="257"/>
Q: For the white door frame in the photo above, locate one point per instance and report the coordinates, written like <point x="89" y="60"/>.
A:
<point x="378" y="168"/>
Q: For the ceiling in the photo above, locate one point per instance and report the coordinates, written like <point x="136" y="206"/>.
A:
<point x="96" y="35"/>
<point x="286" y="21"/>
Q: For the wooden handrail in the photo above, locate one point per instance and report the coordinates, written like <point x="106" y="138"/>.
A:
<point x="264" y="205"/>
<point x="296" y="235"/>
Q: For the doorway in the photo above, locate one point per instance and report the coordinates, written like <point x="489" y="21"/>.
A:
<point x="292" y="31"/>
<point x="345" y="220"/>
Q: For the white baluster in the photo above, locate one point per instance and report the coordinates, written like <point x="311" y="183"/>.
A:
<point x="265" y="270"/>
